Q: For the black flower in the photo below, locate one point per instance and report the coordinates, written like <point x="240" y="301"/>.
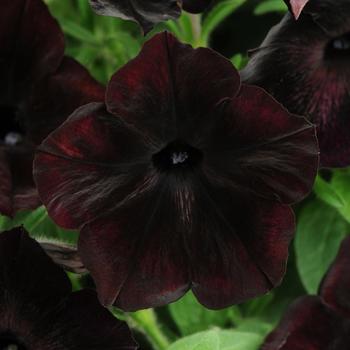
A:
<point x="39" y="310"/>
<point x="305" y="65"/>
<point x="39" y="88"/>
<point x="182" y="179"/>
<point x="319" y="322"/>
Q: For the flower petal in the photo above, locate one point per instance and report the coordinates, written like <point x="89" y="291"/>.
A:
<point x="5" y="185"/>
<point x="23" y="276"/>
<point x="37" y="305"/>
<point x="17" y="189"/>
<point x="144" y="259"/>
<point x="173" y="83"/>
<point x="95" y="151"/>
<point x="89" y="326"/>
<point x="31" y="46"/>
<point x="240" y="250"/>
<point x="335" y="289"/>
<point x="309" y="324"/>
<point x="282" y="66"/>
<point x="145" y="13"/>
<point x="57" y="96"/>
<point x="272" y="154"/>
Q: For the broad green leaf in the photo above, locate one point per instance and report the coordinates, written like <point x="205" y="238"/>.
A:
<point x="320" y="231"/>
<point x="78" y="32"/>
<point x="325" y="191"/>
<point x="255" y="325"/>
<point x="217" y="339"/>
<point x="222" y="10"/>
<point x="270" y="6"/>
<point x="340" y="183"/>
<point x="191" y="317"/>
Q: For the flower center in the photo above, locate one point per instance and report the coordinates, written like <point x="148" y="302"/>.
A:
<point x="10" y="342"/>
<point x="339" y="47"/>
<point x="177" y="155"/>
<point x="11" y="132"/>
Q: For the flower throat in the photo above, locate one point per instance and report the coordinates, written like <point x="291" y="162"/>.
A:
<point x="11" y="132"/>
<point x="177" y="155"/>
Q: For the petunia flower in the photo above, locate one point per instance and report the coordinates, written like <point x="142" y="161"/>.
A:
<point x="147" y="13"/>
<point x="319" y="322"/>
<point x="182" y="179"/>
<point x="39" y="89"/>
<point x="296" y="6"/>
<point x="39" y="310"/>
<point x="305" y="65"/>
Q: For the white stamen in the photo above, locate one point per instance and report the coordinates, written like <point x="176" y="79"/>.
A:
<point x="12" y="139"/>
<point x="180" y="157"/>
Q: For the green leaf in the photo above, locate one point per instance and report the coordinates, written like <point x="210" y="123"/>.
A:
<point x="270" y="6"/>
<point x="174" y="27"/>
<point x="255" y="325"/>
<point x="325" y="191"/>
<point x="38" y="224"/>
<point x="239" y="61"/>
<point x="191" y="317"/>
<point x="217" y="339"/>
<point x="222" y="10"/>
<point x="320" y="231"/>
<point x="78" y="32"/>
<point x="257" y="306"/>
<point x="341" y="184"/>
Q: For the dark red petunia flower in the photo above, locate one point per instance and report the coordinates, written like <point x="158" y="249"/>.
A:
<point x="296" y="6"/>
<point x="147" y="13"/>
<point x="319" y="322"/>
<point x="305" y="65"/>
<point x="39" y="89"/>
<point x="181" y="180"/>
<point x="39" y="310"/>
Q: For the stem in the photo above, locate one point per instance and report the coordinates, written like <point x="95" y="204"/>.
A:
<point x="196" y="28"/>
<point x="146" y="321"/>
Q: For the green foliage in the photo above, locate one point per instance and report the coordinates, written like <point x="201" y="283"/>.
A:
<point x="326" y="192"/>
<point x="101" y="44"/>
<point x="268" y="6"/>
<point x="221" y="11"/>
<point x="239" y="61"/>
<point x="191" y="317"/>
<point x="320" y="231"/>
<point x="39" y="225"/>
<point x="217" y="339"/>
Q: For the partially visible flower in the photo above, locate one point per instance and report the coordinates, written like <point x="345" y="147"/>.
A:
<point x="147" y="13"/>
<point x="183" y="179"/>
<point x="305" y="65"/>
<point x="319" y="322"/>
<point x="296" y="6"/>
<point x="39" y="310"/>
<point x="39" y="88"/>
